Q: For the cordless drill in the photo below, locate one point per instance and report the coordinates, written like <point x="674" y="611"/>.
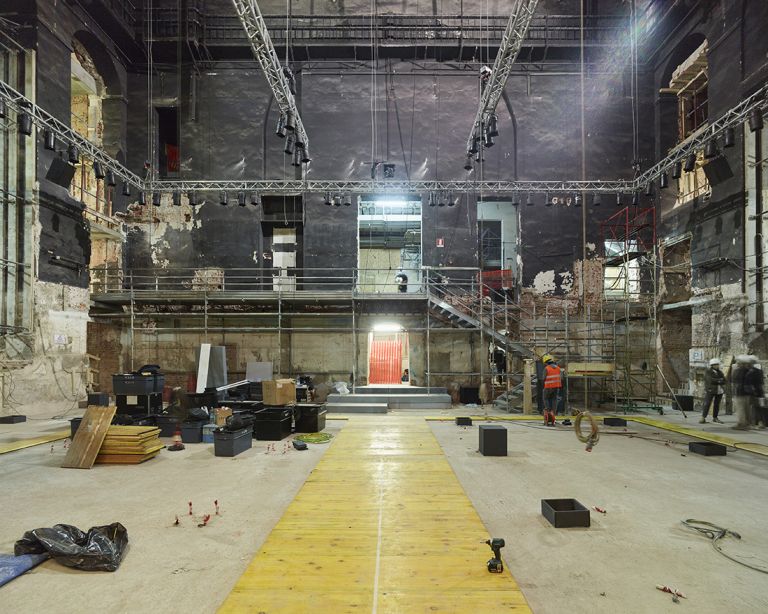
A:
<point x="495" y="565"/>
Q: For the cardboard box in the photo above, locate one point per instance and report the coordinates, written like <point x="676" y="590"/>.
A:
<point x="279" y="391"/>
<point x="222" y="413"/>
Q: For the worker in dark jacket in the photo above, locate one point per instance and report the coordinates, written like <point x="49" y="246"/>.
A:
<point x="756" y="381"/>
<point x="744" y="379"/>
<point x="714" y="387"/>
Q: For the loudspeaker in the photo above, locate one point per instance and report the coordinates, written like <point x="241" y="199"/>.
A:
<point x="717" y="170"/>
<point x="60" y="173"/>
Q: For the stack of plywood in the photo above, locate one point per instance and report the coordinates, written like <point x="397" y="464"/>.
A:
<point x="129" y="445"/>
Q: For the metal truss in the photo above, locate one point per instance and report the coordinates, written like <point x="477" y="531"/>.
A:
<point x="44" y="120"/>
<point x="393" y="187"/>
<point x="730" y="119"/>
<point x="262" y="47"/>
<point x="511" y="43"/>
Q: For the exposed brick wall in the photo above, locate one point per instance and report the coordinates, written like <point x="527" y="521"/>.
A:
<point x="104" y="342"/>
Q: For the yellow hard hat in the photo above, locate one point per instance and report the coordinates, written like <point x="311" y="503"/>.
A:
<point x="546" y="358"/>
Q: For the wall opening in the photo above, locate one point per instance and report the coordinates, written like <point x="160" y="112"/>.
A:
<point x="168" y="141"/>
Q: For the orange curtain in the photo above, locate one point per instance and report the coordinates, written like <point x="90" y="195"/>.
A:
<point x="386" y="359"/>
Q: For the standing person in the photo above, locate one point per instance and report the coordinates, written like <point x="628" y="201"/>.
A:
<point x="405" y="378"/>
<point x="755" y="380"/>
<point x="741" y="390"/>
<point x="553" y="384"/>
<point x="401" y="279"/>
<point x="714" y="382"/>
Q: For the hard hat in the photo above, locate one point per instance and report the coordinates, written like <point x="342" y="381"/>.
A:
<point x="714" y="361"/>
<point x="546" y="358"/>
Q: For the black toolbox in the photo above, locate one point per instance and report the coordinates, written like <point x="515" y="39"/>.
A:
<point x="139" y="404"/>
<point x="272" y="423"/>
<point x="310" y="418"/>
<point x="192" y="432"/>
<point x="231" y="443"/>
<point x="168" y="425"/>
<point x="145" y="380"/>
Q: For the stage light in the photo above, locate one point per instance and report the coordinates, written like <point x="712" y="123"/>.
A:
<point x="597" y="199"/>
<point x="710" y="149"/>
<point x="289" y="146"/>
<point x="290" y="122"/>
<point x="468" y="162"/>
<point x="305" y="159"/>
<point x="755" y="120"/>
<point x="488" y="142"/>
<point x="547" y="201"/>
<point x="176" y="199"/>
<point x="663" y="181"/>
<point x="635" y="199"/>
<point x="729" y="138"/>
<point x="432" y="200"/>
<point x="126" y="188"/>
<point x="98" y="171"/>
<point x="528" y="200"/>
<point x="241" y="199"/>
<point x="493" y="127"/>
<point x="49" y="140"/>
<point x="25" y="123"/>
<point x="255" y="199"/>
<point x="577" y="201"/>
<point x="649" y="189"/>
<point x="337" y="201"/>
<point x="690" y="162"/>
<point x="73" y="155"/>
<point x="677" y="170"/>
<point x="280" y="129"/>
<point x="192" y="197"/>
<point x="451" y="201"/>
<point x="347" y="200"/>
<point x="618" y="199"/>
<point x="142" y="198"/>
<point x="223" y="200"/>
<point x="156" y="199"/>
<point x="110" y="180"/>
<point x="327" y="201"/>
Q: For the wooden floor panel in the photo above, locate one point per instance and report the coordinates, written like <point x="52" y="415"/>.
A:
<point x="381" y="525"/>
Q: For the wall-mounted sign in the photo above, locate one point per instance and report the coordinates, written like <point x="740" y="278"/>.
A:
<point x="440" y="242"/>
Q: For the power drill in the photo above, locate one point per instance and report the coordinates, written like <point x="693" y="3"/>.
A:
<point x="495" y="565"/>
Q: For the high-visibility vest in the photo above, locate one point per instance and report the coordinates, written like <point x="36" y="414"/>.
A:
<point x="552" y="379"/>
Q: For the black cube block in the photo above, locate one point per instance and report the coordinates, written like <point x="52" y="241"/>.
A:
<point x="493" y="440"/>
<point x="707" y="448"/>
<point x="565" y="513"/>
<point x="463" y="421"/>
<point x="614" y="421"/>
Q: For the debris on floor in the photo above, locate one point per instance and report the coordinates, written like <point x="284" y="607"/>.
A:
<point x="14" y="566"/>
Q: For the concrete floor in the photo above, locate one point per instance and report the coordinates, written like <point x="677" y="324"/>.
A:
<point x="167" y="568"/>
<point x="647" y="487"/>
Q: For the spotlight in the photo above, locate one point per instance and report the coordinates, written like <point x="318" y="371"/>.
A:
<point x="488" y="142"/>
<point x="474" y="147"/>
<point x="635" y="199"/>
<point x="493" y="128"/>
<point x="126" y="188"/>
<point x="347" y="200"/>
<point x="223" y="198"/>
<point x="296" y="157"/>
<point x="516" y="199"/>
<point x="755" y="120"/>
<point x="440" y="199"/>
<point x="25" y="123"/>
<point x="192" y="197"/>
<point x="451" y="201"/>
<point x="289" y="146"/>
<point x="618" y="199"/>
<point x="528" y="200"/>
<point x="255" y="199"/>
<point x="142" y="198"/>
<point x="663" y="181"/>
<point x="337" y="201"/>
<point x="327" y="200"/>
<point x="690" y="162"/>
<point x="73" y="155"/>
<point x="729" y="138"/>
<point x="98" y="171"/>
<point x="111" y="181"/>
<point x="479" y="157"/>
<point x="49" y="140"/>
<point x="468" y="162"/>
<point x="280" y="130"/>
<point x="432" y="200"/>
<point x="241" y="199"/>
<point x="299" y="143"/>
<point x="649" y="189"/>
<point x="176" y="199"/>
<point x="290" y="122"/>
<point x="577" y="201"/>
<point x="596" y="199"/>
<point x="710" y="149"/>
<point x="2" y="109"/>
<point x="305" y="159"/>
<point x="677" y="170"/>
<point x="547" y="201"/>
<point x="156" y="199"/>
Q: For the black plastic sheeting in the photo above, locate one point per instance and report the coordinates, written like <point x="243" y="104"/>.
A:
<point x="101" y="549"/>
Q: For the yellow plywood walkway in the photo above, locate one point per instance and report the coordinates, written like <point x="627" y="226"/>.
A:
<point x="381" y="525"/>
<point x="20" y="444"/>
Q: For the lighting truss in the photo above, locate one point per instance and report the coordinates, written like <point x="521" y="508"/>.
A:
<point x="44" y="120"/>
<point x="391" y="187"/>
<point x="264" y="51"/>
<point x="732" y="118"/>
<point x="511" y="43"/>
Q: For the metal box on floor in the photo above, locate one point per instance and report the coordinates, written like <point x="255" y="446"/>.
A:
<point x="707" y="448"/>
<point x="191" y="432"/>
<point x="493" y="440"/>
<point x="227" y="443"/>
<point x="463" y="421"/>
<point x="310" y="418"/>
<point x="611" y="421"/>
<point x="565" y="513"/>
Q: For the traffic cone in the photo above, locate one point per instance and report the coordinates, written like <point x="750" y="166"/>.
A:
<point x="176" y="445"/>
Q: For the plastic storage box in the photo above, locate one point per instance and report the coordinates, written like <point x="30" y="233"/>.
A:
<point x="272" y="423"/>
<point x="310" y="418"/>
<point x="227" y="443"/>
<point x="493" y="440"/>
<point x="131" y="383"/>
<point x="565" y="513"/>
<point x="167" y="424"/>
<point x="208" y="432"/>
<point x="191" y="432"/>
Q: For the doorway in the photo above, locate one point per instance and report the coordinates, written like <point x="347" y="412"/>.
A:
<point x="387" y="357"/>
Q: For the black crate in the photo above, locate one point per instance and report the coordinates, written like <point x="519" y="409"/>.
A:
<point x="463" y="421"/>
<point x="272" y="430"/>
<point x="74" y="424"/>
<point x="227" y="443"/>
<point x="614" y="422"/>
<point x="310" y="418"/>
<point x="139" y="404"/>
<point x="707" y="448"/>
<point x="13" y="419"/>
<point x="168" y="425"/>
<point x="100" y="399"/>
<point x="565" y="513"/>
<point x="273" y="413"/>
<point x="130" y="383"/>
<point x="683" y="402"/>
<point x="493" y="440"/>
<point x="191" y="432"/>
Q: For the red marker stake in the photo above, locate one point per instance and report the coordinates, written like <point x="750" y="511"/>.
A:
<point x="177" y="523"/>
<point x="216" y="503"/>
<point x="190" y="508"/>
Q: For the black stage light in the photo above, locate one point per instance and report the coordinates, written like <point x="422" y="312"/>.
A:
<point x="488" y="141"/>
<point x="493" y="127"/>
<point x="241" y="199"/>
<point x="547" y="200"/>
<point x="649" y="188"/>
<point x="516" y="199"/>
<point x="677" y="170"/>
<point x="255" y="199"/>
<point x="710" y="149"/>
<point x="348" y="200"/>
<point x="690" y="162"/>
<point x="98" y="171"/>
<point x="729" y="138"/>
<point x="73" y="155"/>
<point x="337" y="201"/>
<point x="290" y="122"/>
<point x="142" y="198"/>
<point x="296" y="158"/>
<point x="440" y="199"/>
<point x="110" y="180"/>
<point x="327" y="200"/>
<point x="49" y="140"/>
<point x="126" y="188"/>
<point x="577" y="201"/>
<point x="176" y="199"/>
<point x="432" y="200"/>
<point x="451" y="201"/>
<point x="25" y="123"/>
<point x="156" y="199"/>
<point x="468" y="162"/>
<point x="664" y="181"/>
<point x="597" y="199"/>
<point x="635" y="199"/>
<point x="2" y="109"/>
<point x="528" y="200"/>
<point x="223" y="201"/>
<point x="755" y="120"/>
<point x="280" y="130"/>
<point x="618" y="199"/>
<point x="305" y="159"/>
<point x="289" y="146"/>
<point x="192" y="197"/>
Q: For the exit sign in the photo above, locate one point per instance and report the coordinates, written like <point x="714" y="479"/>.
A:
<point x="440" y="242"/>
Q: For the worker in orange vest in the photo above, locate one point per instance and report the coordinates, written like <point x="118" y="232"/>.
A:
<point x="553" y="384"/>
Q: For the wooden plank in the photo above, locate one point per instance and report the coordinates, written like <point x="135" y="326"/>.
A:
<point x="20" y="444"/>
<point x="132" y="450"/>
<point x="132" y="431"/>
<point x="89" y="437"/>
<point x="123" y="459"/>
